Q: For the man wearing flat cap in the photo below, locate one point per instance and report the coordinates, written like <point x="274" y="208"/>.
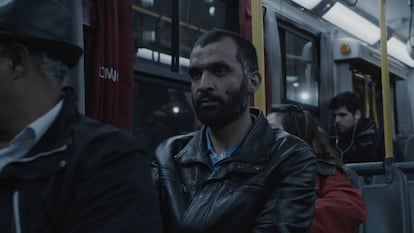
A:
<point x="59" y="170"/>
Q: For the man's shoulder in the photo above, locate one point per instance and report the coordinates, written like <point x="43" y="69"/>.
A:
<point x="366" y="125"/>
<point x="90" y="126"/>
<point x="167" y="150"/>
<point x="282" y="136"/>
<point x="369" y="131"/>
<point x="288" y="144"/>
<point x="178" y="142"/>
<point x="89" y="132"/>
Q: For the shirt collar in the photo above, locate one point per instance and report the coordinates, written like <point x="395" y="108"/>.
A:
<point x="42" y="124"/>
<point x="29" y="136"/>
<point x="228" y="152"/>
<point x="210" y="146"/>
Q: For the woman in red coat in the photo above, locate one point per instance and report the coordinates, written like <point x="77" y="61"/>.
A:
<point x="339" y="206"/>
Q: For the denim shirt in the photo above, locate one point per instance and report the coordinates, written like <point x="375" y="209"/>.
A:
<point x="215" y="157"/>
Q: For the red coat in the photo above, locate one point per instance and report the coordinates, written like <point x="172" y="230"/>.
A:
<point x="339" y="206"/>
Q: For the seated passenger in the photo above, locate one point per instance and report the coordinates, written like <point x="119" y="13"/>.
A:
<point x="339" y="206"/>
<point x="59" y="170"/>
<point x="236" y="174"/>
<point x="356" y="139"/>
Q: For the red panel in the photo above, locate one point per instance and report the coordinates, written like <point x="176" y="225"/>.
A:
<point x="109" y="94"/>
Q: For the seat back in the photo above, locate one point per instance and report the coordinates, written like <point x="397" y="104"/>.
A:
<point x="409" y="149"/>
<point x="411" y="195"/>
<point x="353" y="176"/>
<point x="358" y="182"/>
<point x="399" y="147"/>
<point x="387" y="204"/>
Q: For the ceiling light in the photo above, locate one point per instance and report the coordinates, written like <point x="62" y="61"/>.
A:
<point x="158" y="57"/>
<point x="304" y="95"/>
<point x="410" y="47"/>
<point x="147" y="3"/>
<point x="398" y="50"/>
<point x="212" y="11"/>
<point x="353" y="23"/>
<point x="308" y="4"/>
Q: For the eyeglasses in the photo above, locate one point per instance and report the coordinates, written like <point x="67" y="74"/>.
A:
<point x="285" y="108"/>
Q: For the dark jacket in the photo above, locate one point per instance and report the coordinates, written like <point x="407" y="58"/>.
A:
<point x="81" y="176"/>
<point x="268" y="185"/>
<point x="367" y="145"/>
<point x="339" y="206"/>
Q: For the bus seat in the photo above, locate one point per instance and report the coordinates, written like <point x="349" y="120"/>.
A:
<point x="399" y="147"/>
<point x="353" y="176"/>
<point x="409" y="149"/>
<point x="411" y="195"/>
<point x="387" y="204"/>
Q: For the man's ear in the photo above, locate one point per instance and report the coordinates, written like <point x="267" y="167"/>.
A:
<point x="358" y="114"/>
<point x="254" y="82"/>
<point x="19" y="57"/>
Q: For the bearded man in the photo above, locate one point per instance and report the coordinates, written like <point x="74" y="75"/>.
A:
<point x="236" y="174"/>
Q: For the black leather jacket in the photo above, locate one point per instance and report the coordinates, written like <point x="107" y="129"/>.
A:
<point x="268" y="185"/>
<point x="367" y="145"/>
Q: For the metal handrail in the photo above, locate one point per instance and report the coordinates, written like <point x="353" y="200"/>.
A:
<point x="375" y="168"/>
<point x="385" y="80"/>
<point x="258" y="42"/>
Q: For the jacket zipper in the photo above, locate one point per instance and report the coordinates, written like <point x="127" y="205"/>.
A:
<point x="16" y="212"/>
<point x="16" y="207"/>
<point x="31" y="158"/>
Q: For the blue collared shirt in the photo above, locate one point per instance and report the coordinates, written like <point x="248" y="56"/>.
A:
<point x="215" y="157"/>
<point x="28" y="137"/>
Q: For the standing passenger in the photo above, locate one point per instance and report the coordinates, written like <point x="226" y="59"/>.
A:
<point x="235" y="174"/>
<point x="356" y="139"/>
<point x="60" y="171"/>
<point x="339" y="206"/>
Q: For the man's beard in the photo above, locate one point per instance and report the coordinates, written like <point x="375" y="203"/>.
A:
<point x="226" y="112"/>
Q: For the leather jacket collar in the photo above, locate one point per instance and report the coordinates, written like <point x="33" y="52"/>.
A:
<point x="253" y="146"/>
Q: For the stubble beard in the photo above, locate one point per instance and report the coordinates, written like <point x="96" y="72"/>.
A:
<point x="226" y="112"/>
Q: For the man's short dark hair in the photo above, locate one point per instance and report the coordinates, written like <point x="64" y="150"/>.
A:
<point x="246" y="53"/>
<point x="349" y="100"/>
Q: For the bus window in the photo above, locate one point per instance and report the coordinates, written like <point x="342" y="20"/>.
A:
<point x="300" y="67"/>
<point x="164" y="31"/>
<point x="162" y="111"/>
<point x="152" y="32"/>
<point x="368" y="86"/>
<point x="199" y="16"/>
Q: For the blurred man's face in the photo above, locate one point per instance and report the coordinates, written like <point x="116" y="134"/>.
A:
<point x="344" y="120"/>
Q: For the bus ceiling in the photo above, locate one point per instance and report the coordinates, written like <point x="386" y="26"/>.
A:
<point x="359" y="54"/>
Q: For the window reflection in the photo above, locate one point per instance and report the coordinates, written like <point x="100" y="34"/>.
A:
<point x="161" y="112"/>
<point x="301" y="81"/>
<point x="197" y="17"/>
<point x="152" y="31"/>
<point x="153" y="28"/>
